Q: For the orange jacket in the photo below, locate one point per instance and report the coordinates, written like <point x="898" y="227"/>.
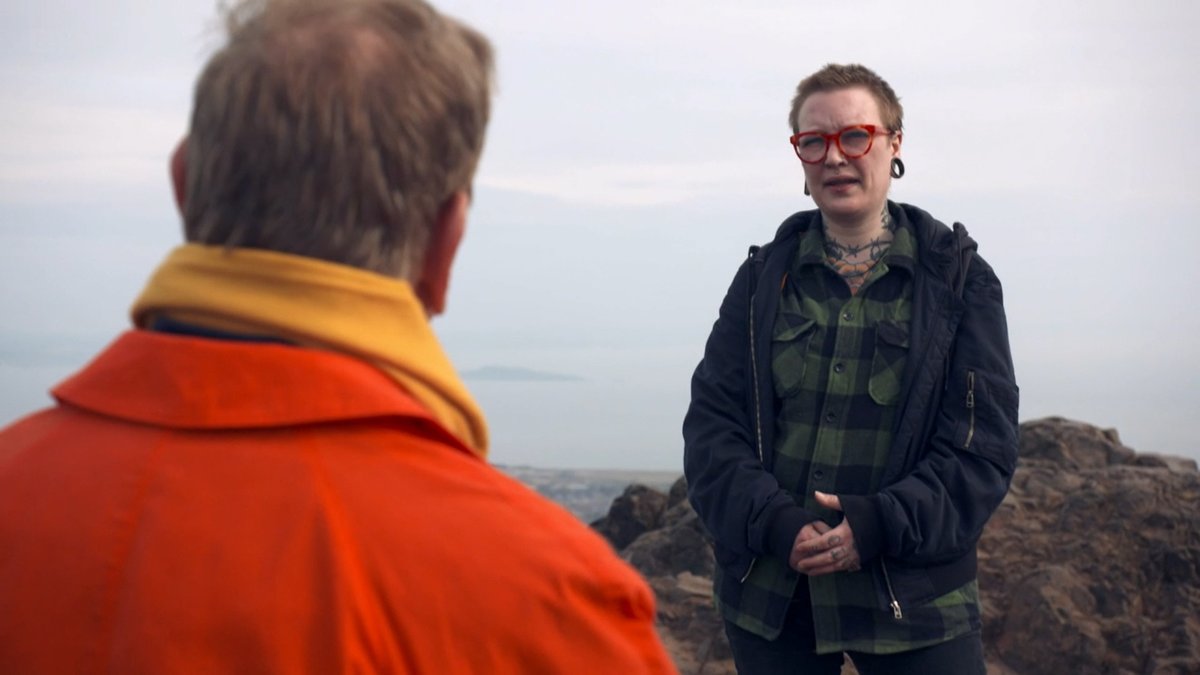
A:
<point x="197" y="505"/>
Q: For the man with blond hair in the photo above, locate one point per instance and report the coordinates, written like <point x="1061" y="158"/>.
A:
<point x="278" y="470"/>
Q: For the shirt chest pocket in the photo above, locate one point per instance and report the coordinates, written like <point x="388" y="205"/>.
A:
<point x="887" y="365"/>
<point x="789" y="351"/>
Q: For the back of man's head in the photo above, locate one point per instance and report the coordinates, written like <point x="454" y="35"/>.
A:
<point x="335" y="129"/>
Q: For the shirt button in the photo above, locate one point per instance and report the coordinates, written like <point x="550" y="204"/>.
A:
<point x="829" y="417"/>
<point x="839" y="367"/>
<point x="848" y="316"/>
<point x="818" y="474"/>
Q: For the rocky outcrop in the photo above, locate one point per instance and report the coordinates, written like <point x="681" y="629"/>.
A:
<point x="1090" y="565"/>
<point x="638" y="510"/>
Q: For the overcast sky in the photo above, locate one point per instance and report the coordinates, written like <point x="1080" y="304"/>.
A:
<point x="636" y="150"/>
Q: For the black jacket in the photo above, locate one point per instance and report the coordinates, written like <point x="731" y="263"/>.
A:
<point x="955" y="444"/>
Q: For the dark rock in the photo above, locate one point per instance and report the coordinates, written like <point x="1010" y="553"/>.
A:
<point x="1092" y="557"/>
<point x="680" y="545"/>
<point x="639" y="509"/>
<point x="1050" y="602"/>
<point x="1072" y="445"/>
<point x="1178" y="464"/>
<point x="678" y="492"/>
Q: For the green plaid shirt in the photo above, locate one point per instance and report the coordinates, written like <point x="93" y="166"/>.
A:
<point x="837" y="361"/>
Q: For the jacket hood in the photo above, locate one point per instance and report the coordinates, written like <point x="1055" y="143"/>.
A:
<point x="940" y="246"/>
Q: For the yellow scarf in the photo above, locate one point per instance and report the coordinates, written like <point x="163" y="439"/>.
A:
<point x="319" y="304"/>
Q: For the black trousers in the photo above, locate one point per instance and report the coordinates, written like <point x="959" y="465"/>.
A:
<point x="794" y="652"/>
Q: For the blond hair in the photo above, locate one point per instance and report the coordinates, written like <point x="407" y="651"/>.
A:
<point x="336" y="129"/>
<point x="836" y="76"/>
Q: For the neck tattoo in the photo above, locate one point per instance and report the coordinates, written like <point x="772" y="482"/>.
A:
<point x="854" y="262"/>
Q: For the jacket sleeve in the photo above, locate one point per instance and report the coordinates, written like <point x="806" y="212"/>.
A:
<point x="737" y="499"/>
<point x="938" y="510"/>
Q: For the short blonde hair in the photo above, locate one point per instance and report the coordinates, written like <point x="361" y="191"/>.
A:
<point x="336" y="129"/>
<point x="836" y="76"/>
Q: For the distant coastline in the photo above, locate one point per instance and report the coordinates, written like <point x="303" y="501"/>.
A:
<point x="588" y="493"/>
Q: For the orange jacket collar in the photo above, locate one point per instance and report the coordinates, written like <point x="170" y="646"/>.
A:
<point x="167" y="380"/>
<point x="315" y="303"/>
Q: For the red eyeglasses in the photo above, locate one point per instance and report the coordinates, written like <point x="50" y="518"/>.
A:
<point x="853" y="142"/>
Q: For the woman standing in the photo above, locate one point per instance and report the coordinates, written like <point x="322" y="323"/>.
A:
<point x="853" y="423"/>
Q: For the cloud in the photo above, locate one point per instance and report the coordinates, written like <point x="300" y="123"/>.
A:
<point x="642" y="183"/>
<point x="516" y="374"/>
<point x="49" y="148"/>
<point x="636" y="150"/>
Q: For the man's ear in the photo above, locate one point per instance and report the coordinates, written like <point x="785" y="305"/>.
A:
<point x="178" y="169"/>
<point x="448" y="230"/>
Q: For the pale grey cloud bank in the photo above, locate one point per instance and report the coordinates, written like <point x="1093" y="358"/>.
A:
<point x="512" y="374"/>
<point x="636" y="150"/>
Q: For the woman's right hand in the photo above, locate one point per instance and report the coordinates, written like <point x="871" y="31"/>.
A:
<point x="810" y="531"/>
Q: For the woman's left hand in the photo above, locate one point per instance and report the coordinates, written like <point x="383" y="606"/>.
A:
<point x="834" y="551"/>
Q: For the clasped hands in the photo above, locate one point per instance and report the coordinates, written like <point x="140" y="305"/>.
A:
<point x="821" y="549"/>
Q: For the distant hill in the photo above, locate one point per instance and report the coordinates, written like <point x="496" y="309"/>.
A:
<point x="513" y="374"/>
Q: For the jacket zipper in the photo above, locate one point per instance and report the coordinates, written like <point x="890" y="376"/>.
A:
<point x="748" y="571"/>
<point x="758" y="442"/>
<point x="896" y="611"/>
<point x="970" y="408"/>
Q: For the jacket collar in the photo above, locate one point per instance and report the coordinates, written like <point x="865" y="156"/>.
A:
<point x="191" y="383"/>
<point x="319" y="305"/>
<point x="901" y="254"/>
<point x="936" y="244"/>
